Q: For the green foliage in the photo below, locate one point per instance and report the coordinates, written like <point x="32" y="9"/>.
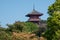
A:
<point x="53" y="25"/>
<point x="57" y="35"/>
<point x="53" y="22"/>
<point x="43" y="21"/>
<point x="4" y="36"/>
<point x="22" y="27"/>
<point x="2" y="29"/>
<point x="30" y="27"/>
<point x="16" y="27"/>
<point x="54" y="7"/>
<point x="19" y="27"/>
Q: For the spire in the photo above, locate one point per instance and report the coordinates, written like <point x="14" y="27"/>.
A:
<point x="33" y="7"/>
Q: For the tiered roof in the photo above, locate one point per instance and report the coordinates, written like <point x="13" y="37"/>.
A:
<point x="34" y="13"/>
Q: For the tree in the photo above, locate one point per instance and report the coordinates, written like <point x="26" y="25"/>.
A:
<point x="54" y="7"/>
<point x="53" y="22"/>
<point x="22" y="27"/>
<point x="30" y="27"/>
<point x="15" y="27"/>
<point x="5" y="36"/>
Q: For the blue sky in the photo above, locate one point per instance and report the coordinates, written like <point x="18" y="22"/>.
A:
<point x="15" y="10"/>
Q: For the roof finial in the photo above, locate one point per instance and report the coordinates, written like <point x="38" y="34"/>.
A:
<point x="33" y="6"/>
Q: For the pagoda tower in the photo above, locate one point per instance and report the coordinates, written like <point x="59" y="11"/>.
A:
<point x="34" y="16"/>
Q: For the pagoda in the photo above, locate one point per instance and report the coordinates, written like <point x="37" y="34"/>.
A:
<point x="34" y="16"/>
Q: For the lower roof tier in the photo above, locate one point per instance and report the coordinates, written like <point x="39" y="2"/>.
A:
<point x="34" y="20"/>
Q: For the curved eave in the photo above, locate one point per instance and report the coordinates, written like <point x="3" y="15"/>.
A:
<point x="33" y="21"/>
<point x="28" y="15"/>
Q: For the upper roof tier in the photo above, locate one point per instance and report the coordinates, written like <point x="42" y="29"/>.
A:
<point x="34" y="13"/>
